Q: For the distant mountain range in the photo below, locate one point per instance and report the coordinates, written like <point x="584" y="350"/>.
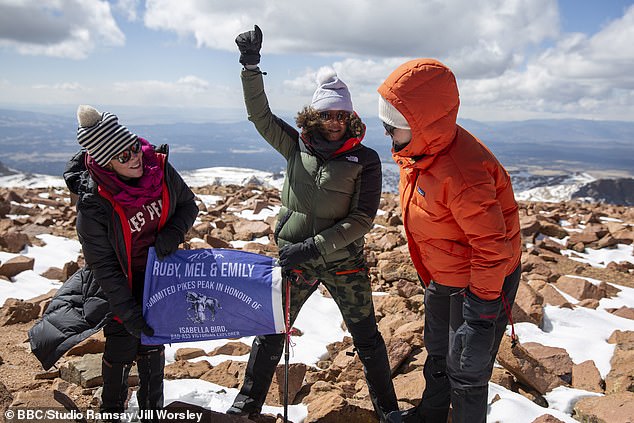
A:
<point x="610" y="191"/>
<point x="555" y="188"/>
<point x="538" y="153"/>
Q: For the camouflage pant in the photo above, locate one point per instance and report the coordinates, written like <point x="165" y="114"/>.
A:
<point x="349" y="285"/>
<point x="346" y="281"/>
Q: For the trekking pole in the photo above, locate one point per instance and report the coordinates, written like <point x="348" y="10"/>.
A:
<point x="287" y="321"/>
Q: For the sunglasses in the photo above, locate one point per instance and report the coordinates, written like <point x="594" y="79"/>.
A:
<point x="389" y="128"/>
<point x="341" y="117"/>
<point x="126" y="154"/>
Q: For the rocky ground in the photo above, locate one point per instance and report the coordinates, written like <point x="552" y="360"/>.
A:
<point x="335" y="391"/>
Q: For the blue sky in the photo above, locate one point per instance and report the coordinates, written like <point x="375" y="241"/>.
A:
<point x="514" y="60"/>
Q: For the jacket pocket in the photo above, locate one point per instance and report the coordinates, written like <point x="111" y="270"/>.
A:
<point x="446" y="260"/>
<point x="450" y="248"/>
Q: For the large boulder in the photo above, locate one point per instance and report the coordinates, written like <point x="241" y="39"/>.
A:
<point x="526" y="368"/>
<point x="228" y="373"/>
<point x="554" y="359"/>
<point x="580" y="288"/>
<point x="409" y="387"/>
<point x="548" y="293"/>
<point x="334" y="408"/>
<point x="621" y="378"/>
<point x="94" y="344"/>
<point x="187" y="369"/>
<point x="296" y="373"/>
<point x="16" y="265"/>
<point x="86" y="372"/>
<point x="586" y="376"/>
<point x="528" y="306"/>
<point x="18" y="311"/>
<point x="231" y="348"/>
<point x="14" y="242"/>
<point x="614" y="408"/>
<point x="188" y="353"/>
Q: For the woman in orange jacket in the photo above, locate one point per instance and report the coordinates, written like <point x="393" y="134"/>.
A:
<point x="462" y="227"/>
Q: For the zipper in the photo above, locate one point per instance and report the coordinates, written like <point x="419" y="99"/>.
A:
<point x="316" y="179"/>
<point x="411" y="187"/>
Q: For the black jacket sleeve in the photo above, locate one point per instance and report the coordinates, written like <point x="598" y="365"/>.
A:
<point x="101" y="256"/>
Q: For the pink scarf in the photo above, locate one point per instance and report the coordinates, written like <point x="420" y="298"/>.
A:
<point x="135" y="192"/>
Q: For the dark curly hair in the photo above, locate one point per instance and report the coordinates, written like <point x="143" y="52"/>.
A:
<point x="308" y="120"/>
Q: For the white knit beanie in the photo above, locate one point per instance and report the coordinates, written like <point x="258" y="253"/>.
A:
<point x="332" y="94"/>
<point x="391" y="116"/>
<point x="101" y="134"/>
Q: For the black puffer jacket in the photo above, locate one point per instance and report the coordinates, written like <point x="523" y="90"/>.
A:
<point x="106" y="242"/>
<point x="106" y="248"/>
<point x="78" y="310"/>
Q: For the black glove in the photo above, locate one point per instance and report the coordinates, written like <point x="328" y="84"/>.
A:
<point x="293" y="254"/>
<point x="167" y="241"/>
<point x="135" y="324"/>
<point x="249" y="43"/>
<point x="473" y="341"/>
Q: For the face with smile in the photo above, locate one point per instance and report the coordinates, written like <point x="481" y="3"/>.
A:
<point x="334" y="124"/>
<point x="129" y="163"/>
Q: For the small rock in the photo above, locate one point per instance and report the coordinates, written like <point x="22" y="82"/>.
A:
<point x="15" y="265"/>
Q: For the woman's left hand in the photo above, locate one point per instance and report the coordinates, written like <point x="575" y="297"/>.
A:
<point x="167" y="241"/>
<point x="298" y="253"/>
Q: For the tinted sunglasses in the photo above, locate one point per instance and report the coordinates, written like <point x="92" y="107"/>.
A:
<point x="126" y="154"/>
<point x="389" y="128"/>
<point x="341" y="117"/>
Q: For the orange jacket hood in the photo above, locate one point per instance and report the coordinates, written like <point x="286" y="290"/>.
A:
<point x="425" y="92"/>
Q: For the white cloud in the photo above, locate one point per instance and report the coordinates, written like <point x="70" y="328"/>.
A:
<point x="188" y="91"/>
<point x="128" y="8"/>
<point x="510" y="57"/>
<point x="584" y="76"/>
<point x="193" y="83"/>
<point x="483" y="40"/>
<point x="62" y="86"/>
<point x="65" y="28"/>
<point x="370" y="38"/>
<point x="605" y="55"/>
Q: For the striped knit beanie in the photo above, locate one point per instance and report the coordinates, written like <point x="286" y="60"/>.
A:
<point x="101" y="134"/>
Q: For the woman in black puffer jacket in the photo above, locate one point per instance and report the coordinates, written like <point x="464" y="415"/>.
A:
<point x="129" y="199"/>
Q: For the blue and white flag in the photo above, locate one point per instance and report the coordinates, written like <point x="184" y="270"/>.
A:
<point x="197" y="295"/>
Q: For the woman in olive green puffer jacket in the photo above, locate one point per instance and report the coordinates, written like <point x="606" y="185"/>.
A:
<point x="330" y="197"/>
<point x="332" y="188"/>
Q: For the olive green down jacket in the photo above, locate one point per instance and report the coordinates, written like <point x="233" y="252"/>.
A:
<point x="334" y="201"/>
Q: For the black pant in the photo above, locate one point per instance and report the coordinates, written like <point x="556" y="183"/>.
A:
<point x="121" y="350"/>
<point x="445" y="382"/>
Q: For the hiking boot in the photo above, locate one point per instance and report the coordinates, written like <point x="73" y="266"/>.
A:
<point x="151" y="365"/>
<point x="115" y="389"/>
<point x="244" y="406"/>
<point x="266" y="352"/>
<point x="372" y="352"/>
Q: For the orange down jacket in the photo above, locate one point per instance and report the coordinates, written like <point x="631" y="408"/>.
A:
<point x="459" y="210"/>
